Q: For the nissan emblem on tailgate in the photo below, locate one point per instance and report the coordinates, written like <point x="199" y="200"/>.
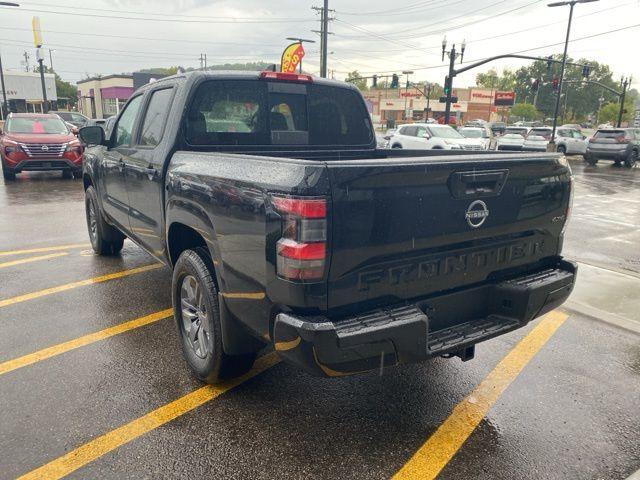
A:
<point x="477" y="213"/>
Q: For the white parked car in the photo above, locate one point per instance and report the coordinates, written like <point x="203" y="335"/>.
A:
<point x="483" y="136"/>
<point x="535" y="143"/>
<point x="510" y="141"/>
<point x="571" y="141"/>
<point x="427" y="136"/>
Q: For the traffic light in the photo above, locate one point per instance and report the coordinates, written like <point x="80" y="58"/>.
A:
<point x="554" y="83"/>
<point x="446" y="86"/>
<point x="394" y="81"/>
<point x="549" y="63"/>
<point x="535" y="85"/>
<point x="375" y="81"/>
<point x="586" y="71"/>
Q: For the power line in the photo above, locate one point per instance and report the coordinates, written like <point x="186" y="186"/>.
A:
<point x="431" y="67"/>
<point x="172" y="15"/>
<point x="229" y="20"/>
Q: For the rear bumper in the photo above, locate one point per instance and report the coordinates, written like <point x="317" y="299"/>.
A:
<point x="434" y="326"/>
<point x="617" y="155"/>
<point x="45" y="164"/>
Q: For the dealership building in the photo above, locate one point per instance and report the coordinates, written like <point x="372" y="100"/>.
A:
<point x="24" y="92"/>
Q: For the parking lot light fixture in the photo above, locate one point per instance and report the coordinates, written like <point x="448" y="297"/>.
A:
<point x="571" y="4"/>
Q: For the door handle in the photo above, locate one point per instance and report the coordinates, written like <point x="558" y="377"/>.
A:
<point x="150" y="172"/>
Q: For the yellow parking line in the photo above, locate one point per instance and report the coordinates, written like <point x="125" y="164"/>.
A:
<point x="108" y="442"/>
<point x="44" y="249"/>
<point x="64" y="347"/>
<point x="32" y="259"/>
<point x="440" y="448"/>
<point x="247" y="296"/>
<point x="81" y="283"/>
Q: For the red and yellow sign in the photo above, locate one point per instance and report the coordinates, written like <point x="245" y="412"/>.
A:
<point x="291" y="58"/>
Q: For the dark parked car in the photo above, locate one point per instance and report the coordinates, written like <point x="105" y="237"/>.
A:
<point x="37" y="142"/>
<point x="74" y="118"/>
<point x="498" y="128"/>
<point x="284" y="224"/>
<point x="617" y="144"/>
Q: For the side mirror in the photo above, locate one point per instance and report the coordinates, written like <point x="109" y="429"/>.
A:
<point x="92" y="135"/>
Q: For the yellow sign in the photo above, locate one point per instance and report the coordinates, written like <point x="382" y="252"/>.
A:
<point x="291" y="58"/>
<point x="37" y="32"/>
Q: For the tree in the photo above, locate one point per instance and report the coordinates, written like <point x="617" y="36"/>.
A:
<point x="356" y="79"/>
<point x="65" y="90"/>
<point x="610" y="111"/>
<point x="491" y="79"/>
<point x="524" y="111"/>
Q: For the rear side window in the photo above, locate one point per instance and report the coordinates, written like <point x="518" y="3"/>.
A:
<point x="257" y="112"/>
<point x="155" y="117"/>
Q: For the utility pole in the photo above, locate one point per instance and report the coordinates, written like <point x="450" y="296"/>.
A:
<point x="406" y="91"/>
<point x="26" y="61"/>
<point x="203" y="61"/>
<point x="426" y="115"/>
<point x="40" y="58"/>
<point x="51" y="59"/>
<point x="4" y="107"/>
<point x="324" y="35"/>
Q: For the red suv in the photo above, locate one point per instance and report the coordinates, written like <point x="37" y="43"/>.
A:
<point x="37" y="142"/>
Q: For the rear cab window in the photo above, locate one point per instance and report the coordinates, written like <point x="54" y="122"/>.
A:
<point x="258" y="112"/>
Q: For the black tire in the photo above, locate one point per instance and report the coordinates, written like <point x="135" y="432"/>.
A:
<point x="396" y="145"/>
<point x="632" y="159"/>
<point x="8" y="173"/>
<point x="66" y="174"/>
<point x="198" y="319"/>
<point x="562" y="149"/>
<point x="77" y="174"/>
<point x="591" y="160"/>
<point x="106" y="240"/>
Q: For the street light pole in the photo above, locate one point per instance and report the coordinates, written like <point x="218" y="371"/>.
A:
<point x="4" y="107"/>
<point x="448" y="83"/>
<point x="571" y="3"/>
<point x="625" y="84"/>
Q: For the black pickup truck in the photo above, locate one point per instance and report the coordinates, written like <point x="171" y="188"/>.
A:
<point x="285" y="225"/>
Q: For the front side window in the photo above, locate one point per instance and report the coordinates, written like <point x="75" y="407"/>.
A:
<point x="124" y="128"/>
<point x="155" y="117"/>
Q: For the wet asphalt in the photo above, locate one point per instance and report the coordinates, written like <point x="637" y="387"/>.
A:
<point x="573" y="412"/>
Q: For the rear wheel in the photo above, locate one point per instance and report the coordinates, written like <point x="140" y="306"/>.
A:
<point x="396" y="145"/>
<point x="562" y="149"/>
<point x="632" y="159"/>
<point x="590" y="160"/>
<point x="67" y="174"/>
<point x="105" y="239"/>
<point x="8" y="173"/>
<point x="197" y="313"/>
<point x="77" y="174"/>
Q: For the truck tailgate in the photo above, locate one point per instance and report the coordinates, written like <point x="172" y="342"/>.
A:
<point x="409" y="227"/>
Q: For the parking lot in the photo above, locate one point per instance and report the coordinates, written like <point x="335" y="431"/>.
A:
<point x="93" y="385"/>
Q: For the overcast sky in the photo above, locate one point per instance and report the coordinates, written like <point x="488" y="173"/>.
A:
<point x="99" y="36"/>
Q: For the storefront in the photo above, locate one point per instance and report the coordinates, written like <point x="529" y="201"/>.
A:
<point x="24" y="92"/>
<point x="103" y="97"/>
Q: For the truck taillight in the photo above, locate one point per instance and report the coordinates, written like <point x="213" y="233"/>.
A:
<point x="301" y="252"/>
<point x="286" y="77"/>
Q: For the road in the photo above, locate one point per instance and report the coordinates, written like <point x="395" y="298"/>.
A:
<point x="92" y="383"/>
